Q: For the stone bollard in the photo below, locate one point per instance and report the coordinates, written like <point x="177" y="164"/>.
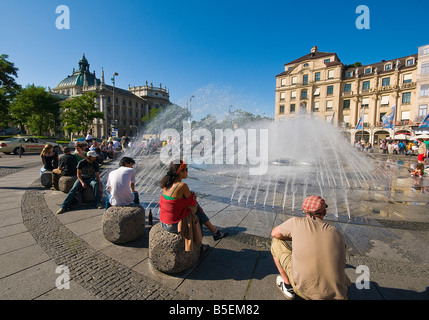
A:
<point x="88" y="194"/>
<point x="66" y="183"/>
<point x="46" y="179"/>
<point x="167" y="251"/>
<point x="123" y="224"/>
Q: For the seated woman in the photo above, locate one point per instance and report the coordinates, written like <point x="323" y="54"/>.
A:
<point x="49" y="158"/>
<point x="176" y="199"/>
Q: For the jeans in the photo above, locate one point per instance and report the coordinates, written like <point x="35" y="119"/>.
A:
<point x="136" y="200"/>
<point x="78" y="187"/>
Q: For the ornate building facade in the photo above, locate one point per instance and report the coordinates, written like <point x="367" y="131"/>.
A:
<point x="123" y="109"/>
<point x="319" y="83"/>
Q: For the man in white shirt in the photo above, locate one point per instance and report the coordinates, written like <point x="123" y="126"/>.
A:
<point x="121" y="183"/>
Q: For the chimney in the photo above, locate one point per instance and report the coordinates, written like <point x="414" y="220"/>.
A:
<point x="314" y="49"/>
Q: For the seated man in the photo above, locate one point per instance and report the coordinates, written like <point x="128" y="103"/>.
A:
<point x="87" y="174"/>
<point x="314" y="268"/>
<point x="121" y="184"/>
<point x="67" y="164"/>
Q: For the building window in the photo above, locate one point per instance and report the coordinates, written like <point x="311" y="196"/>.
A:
<point x="326" y="60"/>
<point x="385" y="82"/>
<point x="282" y="109"/>
<point x="424" y="90"/>
<point x="317" y="76"/>
<point x="317" y="91"/>
<point x="346" y="104"/>
<point x="305" y="79"/>
<point x="294" y="79"/>
<point x="304" y="94"/>
<point x="283" y="82"/>
<point x="293" y="95"/>
<point x="330" y="90"/>
<point x="366" y="85"/>
<point x="329" y="105"/>
<point x="365" y="102"/>
<point x="282" y="96"/>
<point x="410" y="62"/>
<point x="405" y="115"/>
<point x="348" y="87"/>
<point x="316" y="106"/>
<point x="425" y="68"/>
<point x="406" y="98"/>
<point x="292" y="108"/>
<point x="423" y="110"/>
<point x="349" y="74"/>
<point x="388" y="67"/>
<point x="384" y="100"/>
<point x="408" y="78"/>
<point x="330" y="74"/>
<point x="305" y="65"/>
<point x="367" y="70"/>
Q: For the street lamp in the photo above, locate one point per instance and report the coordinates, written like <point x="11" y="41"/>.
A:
<point x="113" y="105"/>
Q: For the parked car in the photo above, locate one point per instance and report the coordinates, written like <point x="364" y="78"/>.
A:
<point x="27" y="144"/>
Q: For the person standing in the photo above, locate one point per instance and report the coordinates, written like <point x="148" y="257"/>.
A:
<point x="422" y="151"/>
<point x="87" y="174"/>
<point x="121" y="184"/>
<point x="314" y="266"/>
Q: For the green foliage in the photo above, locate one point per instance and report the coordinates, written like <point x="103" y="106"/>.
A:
<point x="8" y="87"/>
<point x="79" y="113"/>
<point x="36" y="108"/>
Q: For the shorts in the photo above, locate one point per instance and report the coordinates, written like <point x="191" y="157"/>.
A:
<point x="421" y="157"/>
<point x="281" y="250"/>
<point x="202" y="218"/>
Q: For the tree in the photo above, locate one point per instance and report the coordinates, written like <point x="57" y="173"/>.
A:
<point x="171" y="117"/>
<point x="8" y="87"/>
<point x="79" y="113"/>
<point x="36" y="108"/>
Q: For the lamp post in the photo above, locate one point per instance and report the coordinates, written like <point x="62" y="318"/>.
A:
<point x="113" y="105"/>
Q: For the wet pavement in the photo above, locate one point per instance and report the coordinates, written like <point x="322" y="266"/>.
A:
<point x="388" y="234"/>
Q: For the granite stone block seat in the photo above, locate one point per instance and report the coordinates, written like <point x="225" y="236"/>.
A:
<point x="88" y="194"/>
<point x="167" y="251"/>
<point x="66" y="183"/>
<point x="122" y="224"/>
<point x="46" y="179"/>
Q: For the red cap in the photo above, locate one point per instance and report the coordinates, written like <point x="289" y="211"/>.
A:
<point x="314" y="205"/>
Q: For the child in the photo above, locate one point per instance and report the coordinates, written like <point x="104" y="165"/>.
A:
<point x="419" y="171"/>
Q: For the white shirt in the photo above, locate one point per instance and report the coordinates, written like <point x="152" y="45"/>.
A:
<point x="119" y="183"/>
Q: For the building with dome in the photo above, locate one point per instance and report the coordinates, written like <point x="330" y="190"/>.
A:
<point x="123" y="109"/>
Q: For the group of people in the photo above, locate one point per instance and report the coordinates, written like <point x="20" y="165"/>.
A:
<point x="404" y="147"/>
<point x="313" y="269"/>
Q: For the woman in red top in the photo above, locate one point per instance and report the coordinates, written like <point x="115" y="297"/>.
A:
<point x="176" y="198"/>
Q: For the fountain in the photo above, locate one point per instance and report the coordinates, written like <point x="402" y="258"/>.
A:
<point x="304" y="156"/>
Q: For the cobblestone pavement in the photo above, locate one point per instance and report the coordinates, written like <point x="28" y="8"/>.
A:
<point x="99" y="274"/>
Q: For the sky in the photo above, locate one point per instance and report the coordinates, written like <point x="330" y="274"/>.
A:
<point x="224" y="54"/>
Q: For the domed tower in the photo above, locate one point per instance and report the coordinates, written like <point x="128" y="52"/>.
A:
<point x="80" y="78"/>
